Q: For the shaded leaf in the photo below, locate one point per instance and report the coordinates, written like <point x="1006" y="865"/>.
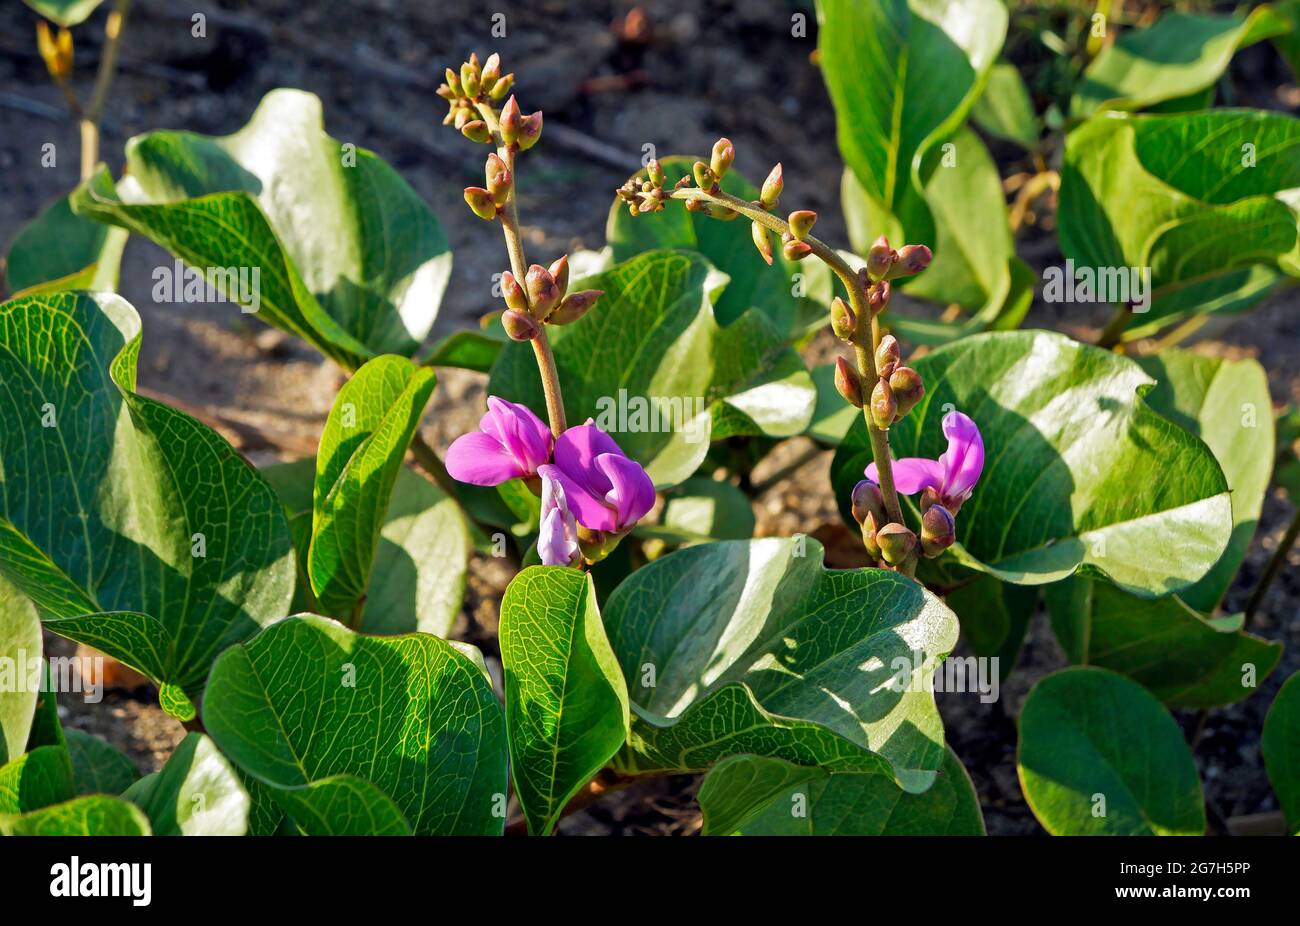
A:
<point x="197" y="793"/>
<point x="1281" y="747"/>
<point x="1005" y="110"/>
<point x="343" y="805"/>
<point x="38" y="779"/>
<point x="95" y="815"/>
<point x="59" y="250"/>
<point x="98" y="768"/>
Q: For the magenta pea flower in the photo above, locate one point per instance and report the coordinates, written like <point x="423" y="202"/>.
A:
<point x="953" y="475"/>
<point x="605" y="490"/>
<point x="557" y="541"/>
<point x="511" y="443"/>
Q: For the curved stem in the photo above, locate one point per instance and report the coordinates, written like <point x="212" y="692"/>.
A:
<point x="1273" y="568"/>
<point x="1113" y="333"/>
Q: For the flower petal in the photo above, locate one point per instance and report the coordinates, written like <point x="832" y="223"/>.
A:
<point x="557" y="541"/>
<point x="576" y="451"/>
<point x="964" y="459"/>
<point x="521" y="432"/>
<point x="911" y="474"/>
<point x="632" y="493"/>
<point x="589" y="510"/>
<point x="479" y="459"/>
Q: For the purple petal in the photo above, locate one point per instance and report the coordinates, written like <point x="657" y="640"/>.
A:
<point x="912" y="474"/>
<point x="481" y="460"/>
<point x="575" y="453"/>
<point x="557" y="543"/>
<point x="520" y="431"/>
<point x="964" y="460"/>
<point x="590" y="510"/>
<point x="632" y="493"/>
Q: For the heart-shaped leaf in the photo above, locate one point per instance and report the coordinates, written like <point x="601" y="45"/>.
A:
<point x="197" y="793"/>
<point x="59" y="250"/>
<point x="1178" y="55"/>
<point x="66" y="13"/>
<point x="1099" y="756"/>
<point x="1281" y="747"/>
<point x="307" y="699"/>
<point x="758" y="796"/>
<point x="349" y="257"/>
<point x="652" y="366"/>
<point x="38" y="779"/>
<point x="360" y="454"/>
<point x="702" y="509"/>
<point x="566" y="701"/>
<point x="98" y="768"/>
<point x="134" y="528"/>
<point x="994" y="616"/>
<point x="753" y="647"/>
<point x="95" y="815"/>
<point x="1078" y="471"/>
<point x="20" y="642"/>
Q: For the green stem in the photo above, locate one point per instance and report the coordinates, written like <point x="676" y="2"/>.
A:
<point x="103" y="81"/>
<point x="1273" y="568"/>
<point x="1113" y="333"/>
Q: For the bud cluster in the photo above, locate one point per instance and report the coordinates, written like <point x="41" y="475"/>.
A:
<point x="890" y="543"/>
<point x="542" y="299"/>
<point x="474" y="87"/>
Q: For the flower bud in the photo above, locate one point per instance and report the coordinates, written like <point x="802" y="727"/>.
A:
<point x="938" y="531"/>
<point x="869" y="534"/>
<point x="912" y="259"/>
<point x="469" y="72"/>
<point x="896" y="543"/>
<point x="454" y="83"/>
<point x="530" y="130"/>
<point x="574" y="306"/>
<point x="929" y="496"/>
<point x="520" y="326"/>
<point x="476" y="131"/>
<point x="801" y="223"/>
<point x="907" y="387"/>
<point x="880" y="258"/>
<point x="878" y="297"/>
<point x="883" y="405"/>
<point x="796" y="250"/>
<point x="513" y="292"/>
<point x="772" y="187"/>
<point x="705" y="178"/>
<point x="762" y="240"/>
<point x="461" y="117"/>
<point x="723" y="154"/>
<point x="491" y="73"/>
<point x="481" y="201"/>
<point x="656" y="173"/>
<point x="843" y="322"/>
<point x="848" y="383"/>
<point x="867" y="500"/>
<point x="499" y="182"/>
<point x="543" y="294"/>
<point x="887" y="356"/>
<point x="511" y="120"/>
<point x="502" y="87"/>
<point x="560" y="271"/>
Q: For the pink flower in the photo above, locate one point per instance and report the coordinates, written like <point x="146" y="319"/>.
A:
<point x="953" y="475"/>
<point x="512" y="443"/>
<point x="557" y="542"/>
<point x="603" y="488"/>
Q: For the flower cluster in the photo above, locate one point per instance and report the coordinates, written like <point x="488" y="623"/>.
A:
<point x="592" y="493"/>
<point x="543" y="299"/>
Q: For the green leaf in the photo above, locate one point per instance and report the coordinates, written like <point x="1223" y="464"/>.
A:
<point x="343" y="805"/>
<point x="754" y="647"/>
<point x="466" y="350"/>
<point x="350" y="257"/>
<point x="134" y="528"/>
<point x="59" y="250"/>
<point x="96" y="815"/>
<point x="1281" y="747"/>
<point x="1179" y="55"/>
<point x="66" y="13"/>
<point x="197" y="793"/>
<point x="20" y="643"/>
<point x="1230" y="293"/>
<point x="703" y="509"/>
<point x="757" y="796"/>
<point x="1099" y="755"/>
<point x="98" y="768"/>
<point x="38" y="779"/>
<point x="1004" y="110"/>
<point x="752" y="283"/>
<point x="652" y="366"/>
<point x="566" y="701"/>
<point x="360" y="455"/>
<point x="308" y="699"/>
<point x="994" y="617"/>
<point x="1193" y="197"/>
<point x="1078" y="471"/>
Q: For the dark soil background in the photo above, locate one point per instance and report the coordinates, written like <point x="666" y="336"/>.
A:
<point x="676" y="74"/>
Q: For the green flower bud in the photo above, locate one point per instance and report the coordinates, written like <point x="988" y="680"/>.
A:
<point x="762" y="240"/>
<point x="867" y="502"/>
<point x="476" y="131"/>
<point x="530" y="130"/>
<point x="938" y="530"/>
<point x="560" y="271"/>
<point x="887" y="356"/>
<point x="513" y="292"/>
<point x="705" y="178"/>
<point x="510" y="121"/>
<point x="463" y="115"/>
<point x="491" y="73"/>
<point x="912" y="259"/>
<point x="880" y="258"/>
<point x="801" y="223"/>
<point x="772" y="187"/>
<point x="453" y="82"/>
<point x="543" y="294"/>
<point x="502" y="87"/>
<point x="469" y="73"/>
<point x="869" y="534"/>
<point x="596" y="545"/>
<point x="896" y="543"/>
<point x="574" y="306"/>
<point x="723" y="154"/>
<point x="499" y="180"/>
<point x="848" y="383"/>
<point x="907" y="387"/>
<point x="843" y="322"/>
<point x="520" y="326"/>
<point x="883" y="405"/>
<point x="656" y="173"/>
<point x="796" y="250"/>
<point x="481" y="201"/>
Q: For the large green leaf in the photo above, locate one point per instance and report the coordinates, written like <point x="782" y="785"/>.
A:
<point x="753" y="647"/>
<point x="59" y="250"/>
<point x="759" y="796"/>
<point x="1005" y="109"/>
<point x="360" y="455"/>
<point x="1193" y="197"/>
<point x="566" y="701"/>
<point x="98" y="768"/>
<point x="653" y="341"/>
<point x="752" y="283"/>
<point x="1281" y="747"/>
<point x="1178" y="55"/>
<point x="1078" y="472"/>
<point x="38" y="779"/>
<point x="343" y="805"/>
<point x="350" y="256"/>
<point x="20" y="642"/>
<point x="134" y="528"/>
<point x="307" y="699"/>
<point x="197" y="793"/>
<point x="1099" y="756"/>
<point x="704" y="509"/>
<point x="67" y="13"/>
<point x="994" y="616"/>
<point x="94" y="815"/>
